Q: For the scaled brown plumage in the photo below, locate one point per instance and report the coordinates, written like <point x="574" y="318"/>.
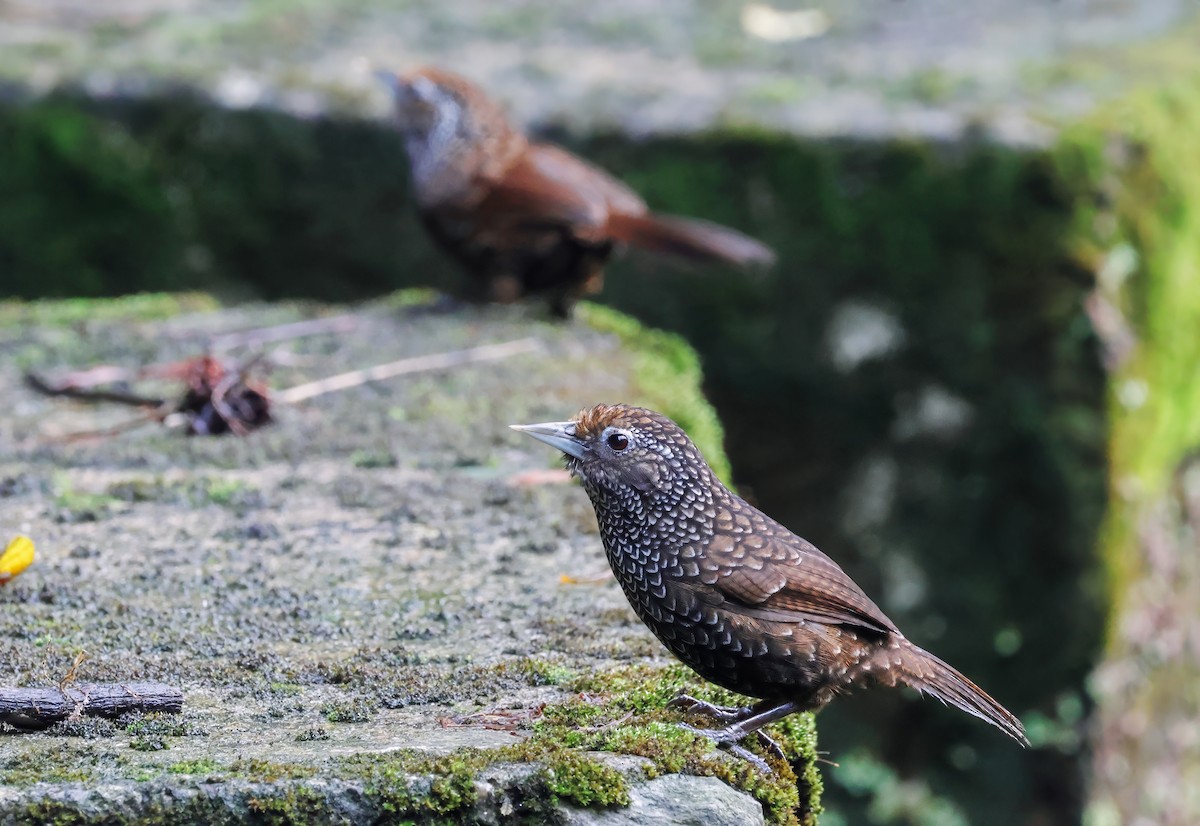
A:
<point x="525" y="217"/>
<point x="745" y="602"/>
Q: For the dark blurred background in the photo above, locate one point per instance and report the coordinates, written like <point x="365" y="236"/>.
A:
<point x="928" y="385"/>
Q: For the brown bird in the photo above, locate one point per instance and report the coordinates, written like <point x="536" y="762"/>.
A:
<point x="742" y="600"/>
<point x="529" y="218"/>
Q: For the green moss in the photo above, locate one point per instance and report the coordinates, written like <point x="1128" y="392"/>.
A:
<point x="231" y="493"/>
<point x="140" y="307"/>
<point x="792" y="795"/>
<point x="1141" y="235"/>
<point x="669" y="378"/>
<point x="267" y="771"/>
<point x="89" y="728"/>
<point x="92" y="188"/>
<point x="352" y="710"/>
<point x="370" y="459"/>
<point x="77" y="505"/>
<point x="158" y="724"/>
<point x="623" y="712"/>
<point x="412" y="297"/>
<point x="1147" y="254"/>
<point x="394" y="781"/>
<point x="61" y="765"/>
<point x="541" y="672"/>
<point x="148" y="743"/>
<point x="312" y="734"/>
<point x="52" y="813"/>
<point x="200" y="765"/>
<point x="297" y="805"/>
<point x="583" y="781"/>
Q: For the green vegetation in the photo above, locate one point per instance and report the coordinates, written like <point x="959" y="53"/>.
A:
<point x="231" y="493"/>
<point x="1143" y="237"/>
<point x="1148" y="256"/>
<point x="353" y="710"/>
<point x="78" y="505"/>
<point x="622" y="711"/>
<point x="298" y="804"/>
<point x="201" y="765"/>
<point x="65" y="763"/>
<point x="157" y="724"/>
<point x="129" y="308"/>
<point x="174" y="195"/>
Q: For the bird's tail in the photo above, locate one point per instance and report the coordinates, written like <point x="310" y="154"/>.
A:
<point x="926" y="673"/>
<point x="689" y="238"/>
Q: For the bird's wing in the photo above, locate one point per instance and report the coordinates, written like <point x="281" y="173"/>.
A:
<point x="549" y="186"/>
<point x="562" y="165"/>
<point x="774" y="574"/>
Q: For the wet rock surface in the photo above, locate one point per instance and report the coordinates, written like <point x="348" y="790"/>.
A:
<point x="363" y="576"/>
<point x="678" y="801"/>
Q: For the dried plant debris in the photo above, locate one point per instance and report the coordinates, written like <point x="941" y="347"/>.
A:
<point x="219" y="395"/>
<point x="222" y="399"/>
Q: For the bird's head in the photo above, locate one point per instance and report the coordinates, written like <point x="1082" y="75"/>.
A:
<point x="620" y="449"/>
<point x="451" y="130"/>
<point x="425" y="102"/>
<point x="435" y="109"/>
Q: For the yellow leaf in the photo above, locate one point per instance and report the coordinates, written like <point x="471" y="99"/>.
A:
<point x="16" y="558"/>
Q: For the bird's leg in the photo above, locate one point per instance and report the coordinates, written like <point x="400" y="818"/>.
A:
<point x="562" y="303"/>
<point x="723" y="714"/>
<point x="730" y="737"/>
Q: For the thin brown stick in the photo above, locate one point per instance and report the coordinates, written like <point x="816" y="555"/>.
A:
<point x="87" y="394"/>
<point x="417" y="364"/>
<point x="37" y="708"/>
<point x="158" y="414"/>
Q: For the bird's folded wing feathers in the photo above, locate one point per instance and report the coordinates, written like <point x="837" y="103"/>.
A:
<point x="797" y="581"/>
<point x="550" y="187"/>
<point x="561" y="165"/>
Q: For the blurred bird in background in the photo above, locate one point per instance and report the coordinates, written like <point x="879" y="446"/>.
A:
<point x="528" y="218"/>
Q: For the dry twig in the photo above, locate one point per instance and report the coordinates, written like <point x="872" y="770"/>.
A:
<point x="416" y="364"/>
<point x="37" y="708"/>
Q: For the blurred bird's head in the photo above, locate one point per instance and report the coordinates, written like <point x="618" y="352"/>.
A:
<point x="435" y="109"/>
<point x="621" y="450"/>
<point x="425" y="103"/>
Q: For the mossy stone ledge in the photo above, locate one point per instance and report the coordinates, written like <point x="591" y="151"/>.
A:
<point x="362" y="601"/>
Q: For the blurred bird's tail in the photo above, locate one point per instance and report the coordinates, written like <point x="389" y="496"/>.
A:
<point x="921" y="670"/>
<point x="689" y="238"/>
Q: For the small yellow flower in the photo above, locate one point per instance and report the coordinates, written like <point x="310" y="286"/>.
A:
<point x="16" y="558"/>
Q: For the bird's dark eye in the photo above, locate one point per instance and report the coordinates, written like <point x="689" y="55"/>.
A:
<point x="617" y="441"/>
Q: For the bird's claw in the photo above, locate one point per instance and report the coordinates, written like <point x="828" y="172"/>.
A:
<point x="724" y="714"/>
<point x="731" y="742"/>
<point x="770" y="745"/>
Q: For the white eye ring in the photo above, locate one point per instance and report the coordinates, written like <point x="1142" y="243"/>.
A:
<point x="617" y="440"/>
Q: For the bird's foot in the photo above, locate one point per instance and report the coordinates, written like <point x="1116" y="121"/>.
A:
<point x="724" y="714"/>
<point x="730" y="740"/>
